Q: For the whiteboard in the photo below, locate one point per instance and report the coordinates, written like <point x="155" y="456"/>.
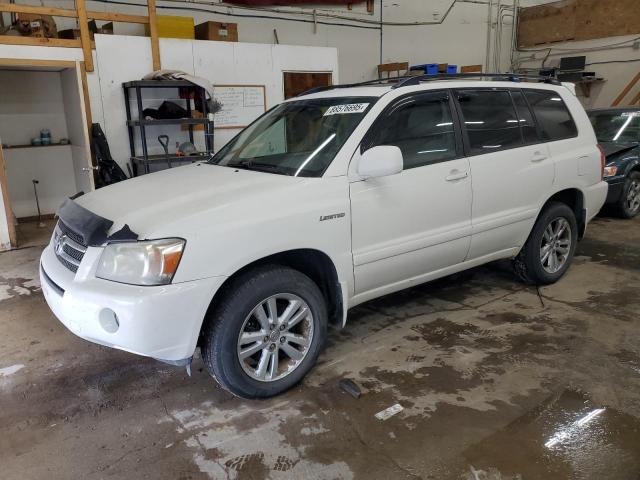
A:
<point x="241" y="105"/>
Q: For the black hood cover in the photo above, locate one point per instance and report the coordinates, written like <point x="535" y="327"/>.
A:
<point x="91" y="227"/>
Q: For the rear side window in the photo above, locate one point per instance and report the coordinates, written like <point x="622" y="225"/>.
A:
<point x="490" y="120"/>
<point x="552" y="115"/>
<point x="421" y="126"/>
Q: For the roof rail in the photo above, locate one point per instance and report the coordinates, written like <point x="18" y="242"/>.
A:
<point x="406" y="81"/>
<point x="510" y="77"/>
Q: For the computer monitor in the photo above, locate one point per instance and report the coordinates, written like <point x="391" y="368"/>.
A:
<point x="572" y="63"/>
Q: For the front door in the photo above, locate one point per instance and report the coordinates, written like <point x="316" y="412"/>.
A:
<point x="417" y="222"/>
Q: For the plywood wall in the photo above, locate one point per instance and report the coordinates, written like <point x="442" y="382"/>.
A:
<point x="577" y="20"/>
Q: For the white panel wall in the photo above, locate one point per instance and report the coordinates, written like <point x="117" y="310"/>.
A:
<point x="219" y="62"/>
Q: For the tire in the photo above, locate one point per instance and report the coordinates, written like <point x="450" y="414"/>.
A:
<point x="245" y="307"/>
<point x="628" y="205"/>
<point x="536" y="267"/>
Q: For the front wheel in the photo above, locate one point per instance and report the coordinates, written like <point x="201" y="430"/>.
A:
<point x="629" y="204"/>
<point x="549" y="250"/>
<point x="266" y="333"/>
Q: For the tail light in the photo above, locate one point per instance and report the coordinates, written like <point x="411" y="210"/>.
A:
<point x="603" y="161"/>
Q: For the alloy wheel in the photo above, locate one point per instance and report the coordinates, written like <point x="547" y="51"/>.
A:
<point x="633" y="197"/>
<point x="275" y="337"/>
<point x="556" y="245"/>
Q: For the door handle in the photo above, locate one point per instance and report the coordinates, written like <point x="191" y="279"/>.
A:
<point x="538" y="156"/>
<point x="456" y="175"/>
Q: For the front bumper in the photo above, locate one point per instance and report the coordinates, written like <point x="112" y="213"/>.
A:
<point x="615" y="188"/>
<point x="162" y="322"/>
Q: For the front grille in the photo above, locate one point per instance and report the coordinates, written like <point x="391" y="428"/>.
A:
<point x="68" y="246"/>
<point x="76" y="237"/>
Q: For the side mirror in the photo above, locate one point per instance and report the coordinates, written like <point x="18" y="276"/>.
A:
<point x="380" y="161"/>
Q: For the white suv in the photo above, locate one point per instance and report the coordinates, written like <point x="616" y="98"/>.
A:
<point x="328" y="200"/>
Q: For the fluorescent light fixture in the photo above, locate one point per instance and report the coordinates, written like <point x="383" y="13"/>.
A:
<point x="314" y="153"/>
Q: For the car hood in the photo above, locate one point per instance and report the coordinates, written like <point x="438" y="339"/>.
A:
<point x="151" y="204"/>
<point x="611" y="149"/>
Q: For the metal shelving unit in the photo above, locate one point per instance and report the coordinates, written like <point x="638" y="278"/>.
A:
<point x="144" y="162"/>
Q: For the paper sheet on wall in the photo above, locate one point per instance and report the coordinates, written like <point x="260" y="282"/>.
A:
<point x="241" y="105"/>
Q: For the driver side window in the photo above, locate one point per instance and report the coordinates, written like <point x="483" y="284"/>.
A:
<point x="421" y="126"/>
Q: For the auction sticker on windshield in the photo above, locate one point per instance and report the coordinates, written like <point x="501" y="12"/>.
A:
<point x="348" y="108"/>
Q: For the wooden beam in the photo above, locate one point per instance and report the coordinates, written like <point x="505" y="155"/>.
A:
<point x="23" y="62"/>
<point x="626" y="90"/>
<point x="635" y="99"/>
<point x="54" y="12"/>
<point x="47" y="42"/>
<point x="70" y="13"/>
<point x="118" y="17"/>
<point x="6" y="200"/>
<point x="85" y="36"/>
<point x="153" y="33"/>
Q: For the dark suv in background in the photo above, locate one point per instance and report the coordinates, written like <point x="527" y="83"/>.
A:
<point x="618" y="131"/>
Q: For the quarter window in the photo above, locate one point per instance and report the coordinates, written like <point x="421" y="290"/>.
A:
<point x="490" y="120"/>
<point x="421" y="126"/>
<point x="552" y="115"/>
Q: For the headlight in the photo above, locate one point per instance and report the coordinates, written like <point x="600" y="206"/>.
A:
<point x="151" y="262"/>
<point x="610" y="171"/>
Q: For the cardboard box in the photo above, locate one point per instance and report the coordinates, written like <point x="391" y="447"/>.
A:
<point x="71" y="33"/>
<point x="36" y="25"/>
<point x="170" y="26"/>
<point x="222" y="32"/>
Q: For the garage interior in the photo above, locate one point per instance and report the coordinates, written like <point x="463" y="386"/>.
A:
<point x="495" y="379"/>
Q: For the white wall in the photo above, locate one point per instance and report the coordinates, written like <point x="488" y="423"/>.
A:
<point x="219" y="62"/>
<point x="30" y="101"/>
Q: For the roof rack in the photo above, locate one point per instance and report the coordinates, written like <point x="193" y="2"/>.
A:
<point x="406" y="81"/>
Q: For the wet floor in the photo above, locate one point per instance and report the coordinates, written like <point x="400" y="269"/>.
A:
<point x="495" y="380"/>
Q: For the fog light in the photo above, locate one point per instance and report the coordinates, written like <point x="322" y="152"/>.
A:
<point x="108" y="320"/>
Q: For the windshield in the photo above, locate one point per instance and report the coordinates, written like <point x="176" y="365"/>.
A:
<point x="622" y="127"/>
<point x="298" y="138"/>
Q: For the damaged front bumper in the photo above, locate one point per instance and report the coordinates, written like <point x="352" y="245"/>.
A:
<point x="162" y="321"/>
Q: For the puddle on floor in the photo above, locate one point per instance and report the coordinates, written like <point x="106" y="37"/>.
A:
<point x="566" y="437"/>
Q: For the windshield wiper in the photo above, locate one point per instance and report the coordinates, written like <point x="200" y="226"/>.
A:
<point x="256" y="166"/>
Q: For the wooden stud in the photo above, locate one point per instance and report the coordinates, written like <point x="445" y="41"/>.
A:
<point x="4" y="185"/>
<point x="635" y="99"/>
<point x="85" y="37"/>
<point x="47" y="42"/>
<point x="626" y="90"/>
<point x="153" y="33"/>
<point x="85" y="93"/>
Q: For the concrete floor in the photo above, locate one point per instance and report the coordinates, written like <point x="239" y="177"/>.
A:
<point x="497" y="381"/>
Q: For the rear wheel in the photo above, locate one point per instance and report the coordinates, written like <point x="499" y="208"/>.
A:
<point x="266" y="333"/>
<point x="628" y="205"/>
<point x="550" y="248"/>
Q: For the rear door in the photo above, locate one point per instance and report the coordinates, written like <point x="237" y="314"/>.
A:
<point x="512" y="172"/>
